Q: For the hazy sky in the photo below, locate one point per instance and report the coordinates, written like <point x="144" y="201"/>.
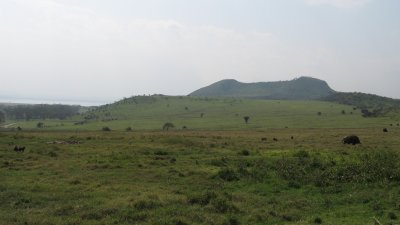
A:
<point x="103" y="50"/>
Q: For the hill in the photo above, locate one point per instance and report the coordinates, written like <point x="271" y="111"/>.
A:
<point x="370" y="105"/>
<point x="303" y="88"/>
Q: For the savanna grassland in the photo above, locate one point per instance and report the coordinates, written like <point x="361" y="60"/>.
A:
<point x="218" y="170"/>
<point x="200" y="177"/>
<point x="151" y="112"/>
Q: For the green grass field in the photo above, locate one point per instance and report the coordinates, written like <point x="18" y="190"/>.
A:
<point x="200" y="177"/>
<point x="150" y="113"/>
<point x="218" y="171"/>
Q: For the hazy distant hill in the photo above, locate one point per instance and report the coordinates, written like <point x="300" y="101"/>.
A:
<point x="303" y="88"/>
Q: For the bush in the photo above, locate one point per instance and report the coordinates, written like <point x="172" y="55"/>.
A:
<point x="40" y="125"/>
<point x="245" y="152"/>
<point x="105" y="129"/>
<point x="221" y="205"/>
<point x="146" y="205"/>
<point x="228" y="174"/>
<point x="159" y="152"/>
<point x="318" y="220"/>
<point x="202" y="199"/>
<point x="392" y="216"/>
<point x="302" y="154"/>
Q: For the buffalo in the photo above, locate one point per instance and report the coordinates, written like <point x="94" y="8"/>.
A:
<point x="351" y="140"/>
<point x="19" y="148"/>
<point x="385" y="130"/>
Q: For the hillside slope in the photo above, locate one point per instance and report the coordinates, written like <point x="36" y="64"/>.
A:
<point x="370" y="105"/>
<point x="152" y="112"/>
<point x="303" y="88"/>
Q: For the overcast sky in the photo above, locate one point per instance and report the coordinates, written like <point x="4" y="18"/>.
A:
<point x="104" y="50"/>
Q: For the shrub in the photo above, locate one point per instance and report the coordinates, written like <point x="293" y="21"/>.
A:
<point x="245" y="152"/>
<point x="146" y="205"/>
<point x="202" y="199"/>
<point x="228" y="174"/>
<point x="105" y="129"/>
<point x="159" y="152"/>
<point x="318" y="220"/>
<point x="302" y="154"/>
<point x="221" y="205"/>
<point x="392" y="216"/>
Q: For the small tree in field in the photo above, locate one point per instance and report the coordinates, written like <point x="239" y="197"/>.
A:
<point x="246" y="119"/>
<point x="106" y="129"/>
<point x="168" y="125"/>
<point x="40" y="125"/>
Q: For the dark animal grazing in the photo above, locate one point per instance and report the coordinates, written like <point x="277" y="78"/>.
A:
<point x="275" y="139"/>
<point x="19" y="148"/>
<point x="263" y="139"/>
<point x="351" y="140"/>
<point x="398" y="124"/>
<point x="391" y="125"/>
<point x="292" y="137"/>
<point x="385" y="130"/>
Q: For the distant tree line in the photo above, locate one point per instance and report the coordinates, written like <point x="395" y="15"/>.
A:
<point x="42" y="111"/>
<point x="2" y="117"/>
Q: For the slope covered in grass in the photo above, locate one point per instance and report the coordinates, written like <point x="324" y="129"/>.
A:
<point x="152" y="112"/>
<point x="204" y="113"/>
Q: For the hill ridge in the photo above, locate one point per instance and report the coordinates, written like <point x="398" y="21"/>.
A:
<point x="301" y="88"/>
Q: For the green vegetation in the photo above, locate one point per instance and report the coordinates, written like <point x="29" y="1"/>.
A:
<point x="303" y="88"/>
<point x="2" y="117"/>
<point x="194" y="113"/>
<point x="200" y="177"/>
<point x="370" y="105"/>
<point x="226" y="161"/>
<point x="40" y="111"/>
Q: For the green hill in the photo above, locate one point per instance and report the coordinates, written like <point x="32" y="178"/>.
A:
<point x="303" y="88"/>
<point x="370" y="105"/>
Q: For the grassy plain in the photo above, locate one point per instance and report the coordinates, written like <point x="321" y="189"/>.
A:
<point x="151" y="112"/>
<point x="219" y="170"/>
<point x="200" y="177"/>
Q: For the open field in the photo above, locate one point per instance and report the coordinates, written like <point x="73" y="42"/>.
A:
<point x="200" y="177"/>
<point x="151" y="112"/>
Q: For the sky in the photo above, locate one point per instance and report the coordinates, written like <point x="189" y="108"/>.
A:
<point x="100" y="51"/>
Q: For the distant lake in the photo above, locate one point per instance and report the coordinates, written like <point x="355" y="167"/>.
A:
<point x="50" y="101"/>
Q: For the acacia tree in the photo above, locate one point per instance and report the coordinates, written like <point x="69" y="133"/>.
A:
<point x="168" y="125"/>
<point x="246" y="119"/>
